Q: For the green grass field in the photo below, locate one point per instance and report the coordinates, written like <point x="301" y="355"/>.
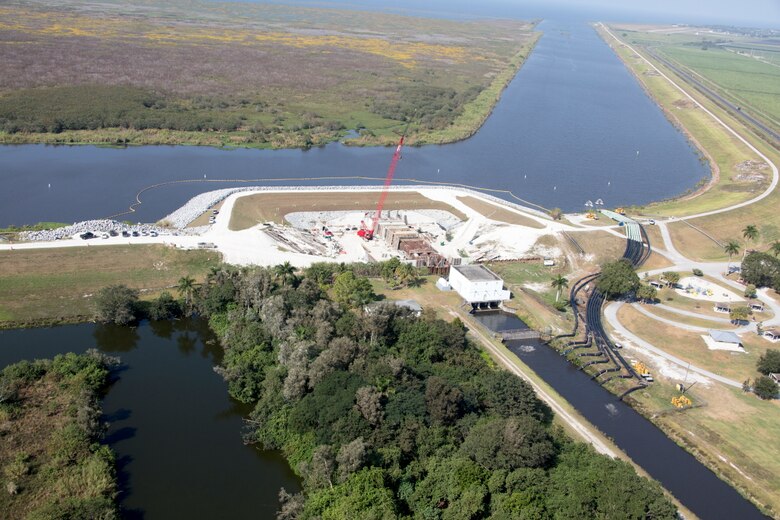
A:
<point x="744" y="69"/>
<point x="753" y="82"/>
<point x="726" y="153"/>
<point x="715" y="433"/>
<point x="58" y="284"/>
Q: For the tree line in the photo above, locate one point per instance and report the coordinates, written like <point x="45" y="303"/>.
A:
<point x="85" y="107"/>
<point x="387" y="415"/>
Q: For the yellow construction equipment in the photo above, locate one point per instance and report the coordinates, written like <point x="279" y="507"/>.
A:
<point x="640" y="368"/>
<point x="620" y="211"/>
<point x="592" y="216"/>
<point x="681" y="401"/>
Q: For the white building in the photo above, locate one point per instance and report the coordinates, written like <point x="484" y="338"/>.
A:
<point x="478" y="285"/>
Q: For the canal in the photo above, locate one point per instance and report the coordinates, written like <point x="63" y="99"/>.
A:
<point x="693" y="484"/>
<point x="175" y="430"/>
<point x="573" y="125"/>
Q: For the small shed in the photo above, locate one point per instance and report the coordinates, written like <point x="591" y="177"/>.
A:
<point x="772" y="334"/>
<point x="722" y="307"/>
<point x="723" y="340"/>
<point x="725" y="336"/>
<point x="757" y="306"/>
<point x="443" y="285"/>
<point x="775" y="377"/>
<point x="656" y="284"/>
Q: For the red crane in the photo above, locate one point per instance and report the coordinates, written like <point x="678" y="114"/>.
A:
<point x="368" y="234"/>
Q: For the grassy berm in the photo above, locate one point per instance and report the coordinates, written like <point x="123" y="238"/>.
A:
<point x="52" y="466"/>
<point x="52" y="285"/>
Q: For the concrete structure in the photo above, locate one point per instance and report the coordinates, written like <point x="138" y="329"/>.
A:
<point x="478" y="285"/>
<point x="723" y="340"/>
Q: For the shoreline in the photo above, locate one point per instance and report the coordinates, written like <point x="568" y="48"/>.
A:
<point x="714" y="176"/>
<point x="122" y="138"/>
<point x="180" y="217"/>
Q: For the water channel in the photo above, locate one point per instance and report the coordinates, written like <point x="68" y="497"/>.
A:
<point x="175" y="430"/>
<point x="573" y="125"/>
<point x="567" y="129"/>
<point x="698" y="488"/>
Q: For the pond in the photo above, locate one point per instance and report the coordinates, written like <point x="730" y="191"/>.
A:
<point x="175" y="430"/>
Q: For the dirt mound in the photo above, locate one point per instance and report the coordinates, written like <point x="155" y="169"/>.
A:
<point x="684" y="103"/>
<point x="754" y="171"/>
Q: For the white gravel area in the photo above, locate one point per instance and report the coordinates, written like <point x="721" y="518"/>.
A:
<point x="310" y="219"/>
<point x="199" y="204"/>
<point x="95" y="226"/>
<point x="699" y="289"/>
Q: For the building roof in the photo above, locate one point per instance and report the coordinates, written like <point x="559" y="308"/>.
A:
<point x="724" y="336"/>
<point x="476" y="273"/>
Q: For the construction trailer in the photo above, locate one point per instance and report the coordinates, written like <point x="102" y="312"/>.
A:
<point x="478" y="285"/>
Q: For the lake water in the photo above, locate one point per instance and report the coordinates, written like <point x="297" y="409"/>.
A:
<point x="567" y="129"/>
<point x="698" y="488"/>
<point x="176" y="432"/>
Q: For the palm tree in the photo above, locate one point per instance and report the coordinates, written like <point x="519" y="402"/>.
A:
<point x="559" y="282"/>
<point x="749" y="233"/>
<point x="731" y="248"/>
<point x="407" y="275"/>
<point x="285" y="272"/>
<point x="214" y="272"/>
<point x="186" y="286"/>
<point x="776" y="248"/>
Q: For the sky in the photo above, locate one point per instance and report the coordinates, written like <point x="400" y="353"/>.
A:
<point x="748" y="13"/>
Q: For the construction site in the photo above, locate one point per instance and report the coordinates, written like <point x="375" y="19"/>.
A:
<point x="431" y="227"/>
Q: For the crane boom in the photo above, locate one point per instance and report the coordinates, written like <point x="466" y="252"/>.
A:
<point x="386" y="188"/>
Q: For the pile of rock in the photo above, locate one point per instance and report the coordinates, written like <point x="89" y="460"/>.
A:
<point x="97" y="227"/>
<point x="198" y="205"/>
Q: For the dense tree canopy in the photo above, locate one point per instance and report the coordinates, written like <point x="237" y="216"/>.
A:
<point x="116" y="304"/>
<point x="765" y="387"/>
<point x="387" y="415"/>
<point x="761" y="270"/>
<point x="618" y="279"/>
<point x="769" y="362"/>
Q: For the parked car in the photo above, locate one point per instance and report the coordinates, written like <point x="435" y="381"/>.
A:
<point x="135" y="233"/>
<point x="153" y="234"/>
<point x="87" y="236"/>
<point x="113" y="233"/>
<point x="125" y="234"/>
